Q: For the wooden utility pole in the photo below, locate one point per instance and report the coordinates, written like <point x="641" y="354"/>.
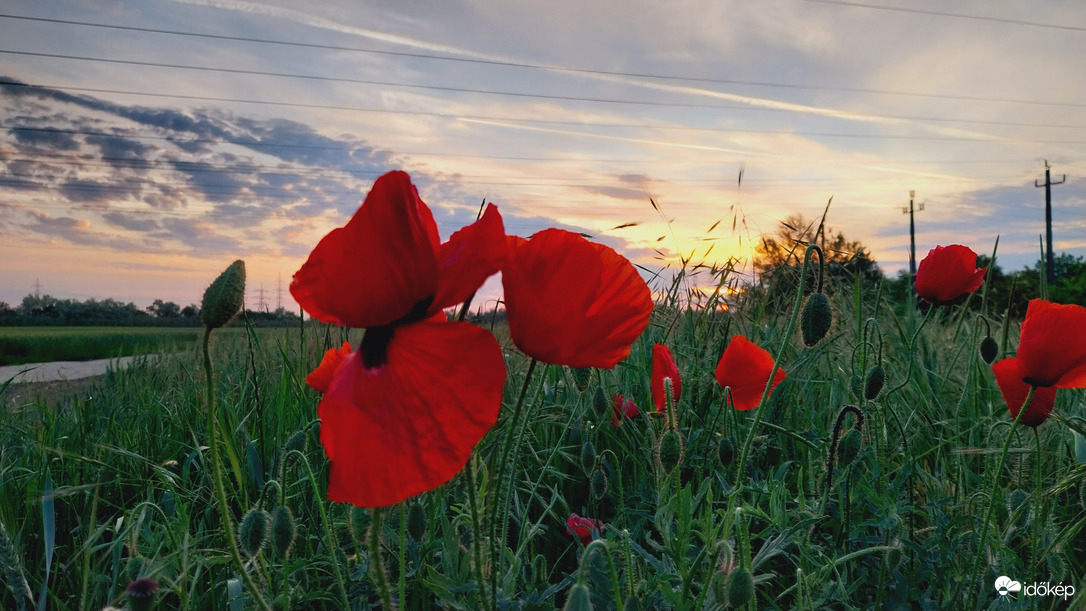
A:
<point x="1050" y="271"/>
<point x="912" y="232"/>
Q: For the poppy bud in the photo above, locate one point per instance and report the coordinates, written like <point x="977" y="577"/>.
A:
<point x="582" y="377"/>
<point x="601" y="404"/>
<point x="296" y="442"/>
<point x="815" y="319"/>
<point x="876" y="377"/>
<point x="989" y="349"/>
<point x="669" y="451"/>
<point x="580" y="599"/>
<point x="893" y="558"/>
<point x="141" y="594"/>
<point x="1057" y="568"/>
<point x="588" y="457"/>
<point x="134" y="567"/>
<point x="416" y="522"/>
<point x="1018" y="501"/>
<point x="740" y="588"/>
<point x="253" y="532"/>
<point x="598" y="484"/>
<point x="718" y="584"/>
<point x="282" y="531"/>
<point x="360" y="523"/>
<point x="725" y="451"/>
<point x="856" y="385"/>
<point x="848" y="448"/>
<point x="223" y="298"/>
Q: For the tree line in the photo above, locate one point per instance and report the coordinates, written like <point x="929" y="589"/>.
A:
<point x="46" y="310"/>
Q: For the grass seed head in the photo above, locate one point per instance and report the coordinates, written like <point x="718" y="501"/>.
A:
<point x="253" y="532"/>
<point x="224" y="297"/>
<point x="816" y="318"/>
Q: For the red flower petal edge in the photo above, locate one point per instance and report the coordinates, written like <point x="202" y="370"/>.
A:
<point x="471" y="255"/>
<point x="622" y="408"/>
<point x="1015" y="390"/>
<point x="947" y="274"/>
<point x="744" y="369"/>
<point x="1052" y="345"/>
<point x="409" y="425"/>
<point x="586" y="529"/>
<point x="321" y="377"/>
<point x="663" y="366"/>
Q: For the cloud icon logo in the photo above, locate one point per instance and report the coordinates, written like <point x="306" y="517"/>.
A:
<point x="1004" y="585"/>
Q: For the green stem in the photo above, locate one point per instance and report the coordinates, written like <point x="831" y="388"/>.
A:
<point x="220" y="489"/>
<point x="992" y="494"/>
<point x="585" y="556"/>
<point x="912" y="357"/>
<point x="377" y="567"/>
<point x="327" y="526"/>
<point x="403" y="555"/>
<point x="477" y="536"/>
<point x="1037" y="501"/>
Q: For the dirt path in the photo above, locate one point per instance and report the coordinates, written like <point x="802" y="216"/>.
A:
<point x="62" y="370"/>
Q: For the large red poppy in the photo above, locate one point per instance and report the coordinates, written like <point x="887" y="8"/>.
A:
<point x="663" y="366"/>
<point x="573" y="302"/>
<point x="1052" y="345"/>
<point x="744" y="369"/>
<point x="1015" y="389"/>
<point x="948" y="274"/>
<point x="401" y="414"/>
<point x="320" y="379"/>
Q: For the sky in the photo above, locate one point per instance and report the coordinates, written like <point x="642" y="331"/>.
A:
<point x="146" y="145"/>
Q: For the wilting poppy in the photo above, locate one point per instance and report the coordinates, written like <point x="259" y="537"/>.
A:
<point x="744" y="369"/>
<point x="586" y="529"/>
<point x="1052" y="345"/>
<point x="573" y="302"/>
<point x="401" y="414"/>
<point x="622" y="408"/>
<point x="663" y="366"/>
<point x="321" y="377"/>
<point x="948" y="274"/>
<point x="1015" y="389"/>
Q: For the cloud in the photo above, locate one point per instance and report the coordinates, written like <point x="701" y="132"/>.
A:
<point x="131" y="222"/>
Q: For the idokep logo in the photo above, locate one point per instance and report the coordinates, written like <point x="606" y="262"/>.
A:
<point x="1005" y="585"/>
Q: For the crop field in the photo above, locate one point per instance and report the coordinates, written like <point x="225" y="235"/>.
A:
<point x="19" y="345"/>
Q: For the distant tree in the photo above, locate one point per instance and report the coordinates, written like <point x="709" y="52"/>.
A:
<point x="164" y="309"/>
<point x="190" y="311"/>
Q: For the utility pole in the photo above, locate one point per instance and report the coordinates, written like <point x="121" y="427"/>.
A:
<point x="912" y="232"/>
<point x="261" y="305"/>
<point x="1050" y="271"/>
<point x="279" y="293"/>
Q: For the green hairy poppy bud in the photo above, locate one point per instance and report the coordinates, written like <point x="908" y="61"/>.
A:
<point x="253" y="532"/>
<point x="282" y="531"/>
<point x="989" y="349"/>
<point x="669" y="451"/>
<point x="223" y="298"/>
<point x="718" y="585"/>
<point x="848" y="448"/>
<point x="1018" y="501"/>
<point x="416" y="522"/>
<point x="588" y="457"/>
<point x="601" y="404"/>
<point x="582" y="377"/>
<point x="580" y="599"/>
<point x="815" y="319"/>
<point x="141" y="594"/>
<point x="740" y="588"/>
<point x="598" y="484"/>
<point x="876" y="377"/>
<point x="725" y="451"/>
<point x="856" y="385"/>
<point x="893" y="558"/>
<point x="296" y="442"/>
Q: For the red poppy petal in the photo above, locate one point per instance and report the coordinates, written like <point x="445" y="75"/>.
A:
<point x="1015" y="390"/>
<point x="409" y="426"/>
<point x="572" y="302"/>
<point x="471" y="255"/>
<point x="663" y="366"/>
<point x="374" y="270"/>
<point x="744" y="368"/>
<point x="321" y="377"/>
<point x="1052" y="345"/>
<point x="948" y="273"/>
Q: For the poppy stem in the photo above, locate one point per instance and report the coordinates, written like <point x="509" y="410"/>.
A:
<point x="217" y="476"/>
<point x="992" y="494"/>
<point x="1037" y="505"/>
<point x="911" y="353"/>
<point x="377" y="566"/>
<point x="477" y="535"/>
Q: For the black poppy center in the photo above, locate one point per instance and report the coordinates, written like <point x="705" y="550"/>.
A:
<point x="374" y="348"/>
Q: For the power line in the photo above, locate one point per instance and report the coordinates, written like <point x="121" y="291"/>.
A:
<point x="9" y="83"/>
<point x="902" y="9"/>
<point x="565" y="69"/>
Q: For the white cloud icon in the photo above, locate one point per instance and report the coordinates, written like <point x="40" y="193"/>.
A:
<point x="1004" y="584"/>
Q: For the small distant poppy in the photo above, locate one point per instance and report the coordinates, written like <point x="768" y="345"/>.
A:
<point x="948" y="274"/>
<point x="663" y="366"/>
<point x="586" y="529"/>
<point x="622" y="408"/>
<point x="1052" y="345"/>
<point x="744" y="369"/>
<point x="1015" y="390"/>
<point x="402" y="413"/>
<point x="573" y="302"/>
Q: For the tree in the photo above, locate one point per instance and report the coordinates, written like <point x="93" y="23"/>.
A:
<point x="164" y="309"/>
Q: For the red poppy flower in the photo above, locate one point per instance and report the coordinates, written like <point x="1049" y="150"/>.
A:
<point x="744" y="368"/>
<point x="321" y="377"/>
<point x="663" y="366"/>
<point x="948" y="274"/>
<point x="622" y="408"/>
<point x="401" y="415"/>
<point x="1052" y="345"/>
<point x="585" y="528"/>
<point x="1015" y="389"/>
<point x="573" y="302"/>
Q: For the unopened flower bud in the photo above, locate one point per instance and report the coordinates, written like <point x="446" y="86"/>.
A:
<point x="580" y="599"/>
<point x="224" y="297"/>
<point x="848" y="448"/>
<point x="598" y="484"/>
<point x="740" y="588"/>
<point x="253" y="532"/>
<point x="601" y="404"/>
<point x="989" y="349"/>
<point x="893" y="558"/>
<point x="588" y="457"/>
<point x="416" y="522"/>
<point x="582" y="377"/>
<point x="141" y="594"/>
<point x="815" y="319"/>
<point x="876" y="377"/>
<point x="282" y="531"/>
<point x="669" y="451"/>
<point x="718" y="584"/>
<point x="725" y="451"/>
<point x="296" y="442"/>
<point x="856" y="385"/>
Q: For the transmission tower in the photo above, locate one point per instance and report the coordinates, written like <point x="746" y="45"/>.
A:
<point x="261" y="302"/>
<point x="37" y="288"/>
<point x="279" y="293"/>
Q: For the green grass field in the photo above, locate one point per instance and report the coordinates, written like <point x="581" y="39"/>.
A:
<point x="899" y="526"/>
<point x="19" y="345"/>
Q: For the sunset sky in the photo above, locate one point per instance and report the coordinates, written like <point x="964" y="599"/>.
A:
<point x="146" y="145"/>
